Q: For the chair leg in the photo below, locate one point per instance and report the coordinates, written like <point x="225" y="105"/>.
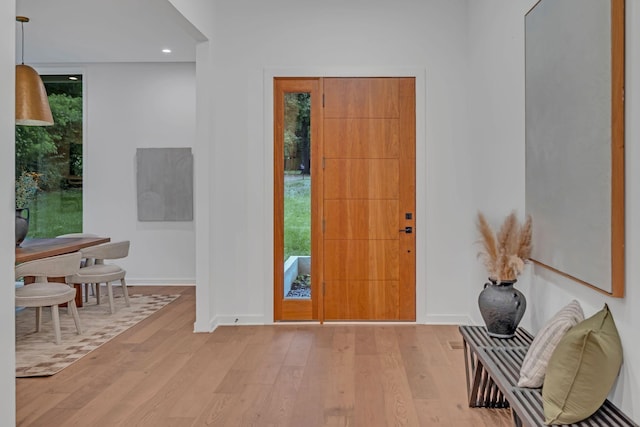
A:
<point x="110" y="291"/>
<point x="55" y="316"/>
<point x="74" y="312"/>
<point x="38" y="318"/>
<point x="97" y="285"/>
<point x="86" y="291"/>
<point x="125" y="291"/>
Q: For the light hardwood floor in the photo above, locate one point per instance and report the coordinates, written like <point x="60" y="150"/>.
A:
<point x="160" y="373"/>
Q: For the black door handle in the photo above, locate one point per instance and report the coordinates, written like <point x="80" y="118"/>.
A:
<point x="407" y="230"/>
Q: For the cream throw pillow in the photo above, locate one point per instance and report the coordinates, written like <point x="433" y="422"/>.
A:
<point x="535" y="362"/>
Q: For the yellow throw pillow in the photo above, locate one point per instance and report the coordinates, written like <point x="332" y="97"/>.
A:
<point x="582" y="370"/>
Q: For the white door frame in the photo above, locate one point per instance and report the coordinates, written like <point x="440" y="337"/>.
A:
<point x="264" y="272"/>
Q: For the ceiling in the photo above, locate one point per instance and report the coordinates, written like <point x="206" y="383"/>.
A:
<point x="84" y="31"/>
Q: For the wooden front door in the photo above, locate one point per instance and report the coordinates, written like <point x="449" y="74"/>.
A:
<point x="368" y="199"/>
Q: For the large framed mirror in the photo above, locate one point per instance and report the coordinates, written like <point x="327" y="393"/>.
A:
<point x="574" y="91"/>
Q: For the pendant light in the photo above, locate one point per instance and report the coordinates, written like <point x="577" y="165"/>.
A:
<point x="32" y="104"/>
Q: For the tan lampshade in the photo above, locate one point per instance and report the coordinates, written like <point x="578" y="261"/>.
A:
<point x="32" y="104"/>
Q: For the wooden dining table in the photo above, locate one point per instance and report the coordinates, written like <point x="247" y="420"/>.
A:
<point x="38" y="248"/>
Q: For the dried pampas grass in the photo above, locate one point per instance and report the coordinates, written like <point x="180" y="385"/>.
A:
<point x="505" y="253"/>
<point x="524" y="245"/>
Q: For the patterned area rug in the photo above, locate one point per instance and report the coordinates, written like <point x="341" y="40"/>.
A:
<point x="37" y="353"/>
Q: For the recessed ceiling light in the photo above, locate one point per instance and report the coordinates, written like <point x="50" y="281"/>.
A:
<point x="166" y="50"/>
<point x="73" y="78"/>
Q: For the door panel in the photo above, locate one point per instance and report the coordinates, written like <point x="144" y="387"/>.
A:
<point x="363" y="299"/>
<point x="361" y="219"/>
<point x="362" y="138"/>
<point x="361" y="179"/>
<point x="369" y="198"/>
<point x="407" y="308"/>
<point x="357" y="259"/>
<point x="362" y="98"/>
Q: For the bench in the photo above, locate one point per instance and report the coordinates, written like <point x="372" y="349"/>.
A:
<point x="492" y="368"/>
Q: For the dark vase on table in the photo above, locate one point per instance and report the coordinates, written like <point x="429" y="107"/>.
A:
<point x="502" y="307"/>
<point x="22" y="225"/>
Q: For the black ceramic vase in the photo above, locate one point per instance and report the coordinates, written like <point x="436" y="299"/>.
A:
<point x="22" y="225"/>
<point x="502" y="307"/>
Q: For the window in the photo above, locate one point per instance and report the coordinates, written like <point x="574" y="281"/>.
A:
<point x="53" y="156"/>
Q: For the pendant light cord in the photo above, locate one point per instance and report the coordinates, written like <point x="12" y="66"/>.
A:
<point x="22" y="30"/>
<point x="22" y="20"/>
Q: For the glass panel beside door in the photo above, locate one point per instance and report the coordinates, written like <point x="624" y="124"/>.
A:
<point x="297" y="196"/>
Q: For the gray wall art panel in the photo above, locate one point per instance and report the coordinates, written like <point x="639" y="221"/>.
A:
<point x="568" y="137"/>
<point x="165" y="184"/>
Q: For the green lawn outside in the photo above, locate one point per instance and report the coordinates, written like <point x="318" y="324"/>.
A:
<point x="60" y="212"/>
<point x="297" y="216"/>
<point x="55" y="213"/>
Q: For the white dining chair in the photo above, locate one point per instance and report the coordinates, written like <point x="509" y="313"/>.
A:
<point x="101" y="272"/>
<point x="83" y="263"/>
<point x="43" y="293"/>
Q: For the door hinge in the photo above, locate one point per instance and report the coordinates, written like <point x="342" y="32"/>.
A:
<point x="323" y="162"/>
<point x="323" y="100"/>
<point x="323" y="225"/>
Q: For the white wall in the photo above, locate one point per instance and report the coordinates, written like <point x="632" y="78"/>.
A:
<point x="7" y="213"/>
<point x="250" y="38"/>
<point x="130" y="106"/>
<point x="200" y="14"/>
<point x="496" y="42"/>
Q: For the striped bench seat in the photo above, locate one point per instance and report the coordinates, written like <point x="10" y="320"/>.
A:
<point x="492" y="367"/>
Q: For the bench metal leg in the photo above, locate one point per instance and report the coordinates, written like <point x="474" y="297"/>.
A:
<point x="482" y="391"/>
<point x="469" y="365"/>
<point x="517" y="422"/>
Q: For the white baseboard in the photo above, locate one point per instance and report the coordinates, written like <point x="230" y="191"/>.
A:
<point x="228" y="321"/>
<point x="260" y="321"/>
<point x="207" y="328"/>
<point x="160" y="282"/>
<point x="447" y="319"/>
<point x="239" y="320"/>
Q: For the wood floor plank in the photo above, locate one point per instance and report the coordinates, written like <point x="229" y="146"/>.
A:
<point x="399" y="405"/>
<point x="299" y="348"/>
<point x="183" y="393"/>
<point x="419" y="373"/>
<point x="369" y="397"/>
<point x="159" y="373"/>
<point x="283" y="396"/>
<point x="36" y="408"/>
<point x="339" y="399"/>
<point x="366" y="340"/>
<point x="95" y="411"/>
<point x="249" y="406"/>
<point x="215" y="410"/>
<point x="309" y="405"/>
